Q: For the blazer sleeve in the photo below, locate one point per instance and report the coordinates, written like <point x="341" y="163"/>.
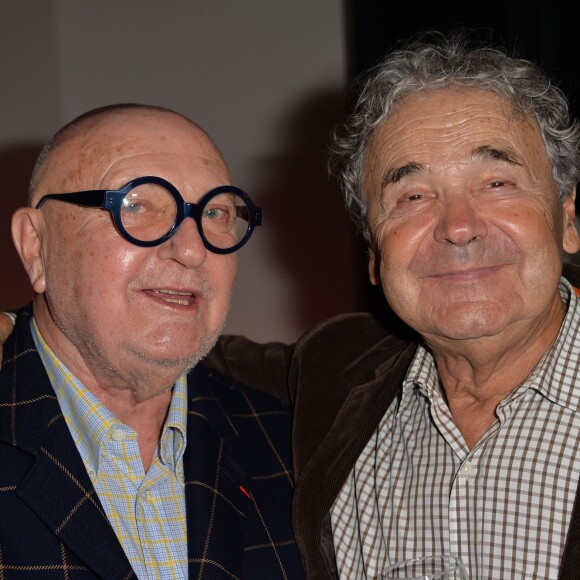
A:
<point x="262" y="366"/>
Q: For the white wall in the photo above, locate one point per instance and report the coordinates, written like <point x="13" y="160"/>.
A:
<point x="265" y="78"/>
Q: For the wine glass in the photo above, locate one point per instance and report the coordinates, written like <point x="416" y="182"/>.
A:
<point x="427" y="568"/>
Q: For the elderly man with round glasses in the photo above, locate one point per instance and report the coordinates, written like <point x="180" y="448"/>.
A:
<point x="120" y="456"/>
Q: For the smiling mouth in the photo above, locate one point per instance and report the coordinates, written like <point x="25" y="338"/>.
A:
<point x="468" y="275"/>
<point x="173" y="296"/>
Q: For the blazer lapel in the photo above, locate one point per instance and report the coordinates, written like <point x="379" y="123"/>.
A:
<point x="214" y="484"/>
<point x="327" y="469"/>
<point x="61" y="494"/>
<point x="55" y="485"/>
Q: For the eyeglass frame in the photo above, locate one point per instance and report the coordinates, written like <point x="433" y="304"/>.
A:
<point x="112" y="201"/>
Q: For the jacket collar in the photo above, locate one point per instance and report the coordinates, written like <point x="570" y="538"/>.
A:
<point x="347" y="381"/>
<point x="212" y="470"/>
<point x="55" y="485"/>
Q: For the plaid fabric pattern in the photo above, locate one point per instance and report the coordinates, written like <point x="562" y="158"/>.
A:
<point x="503" y="507"/>
<point x="236" y="469"/>
<point x="227" y="496"/>
<point x="146" y="510"/>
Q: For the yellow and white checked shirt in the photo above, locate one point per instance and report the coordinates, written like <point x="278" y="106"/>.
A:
<point x="146" y="510"/>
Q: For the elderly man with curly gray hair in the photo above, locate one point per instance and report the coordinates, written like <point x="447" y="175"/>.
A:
<point x="456" y="432"/>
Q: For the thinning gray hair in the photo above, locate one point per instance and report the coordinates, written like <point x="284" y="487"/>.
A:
<point x="434" y="61"/>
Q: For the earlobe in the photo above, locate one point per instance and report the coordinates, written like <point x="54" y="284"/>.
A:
<point x="27" y="237"/>
<point x="571" y="239"/>
<point x="374" y="268"/>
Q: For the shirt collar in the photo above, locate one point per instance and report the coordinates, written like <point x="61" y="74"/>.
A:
<point x="554" y="376"/>
<point x="173" y="438"/>
<point x="90" y="421"/>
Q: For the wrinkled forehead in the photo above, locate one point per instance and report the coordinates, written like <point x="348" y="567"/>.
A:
<point x="129" y="142"/>
<point x="453" y="121"/>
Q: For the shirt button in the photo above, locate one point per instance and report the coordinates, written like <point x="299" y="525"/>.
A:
<point x="466" y="470"/>
<point x="118" y="435"/>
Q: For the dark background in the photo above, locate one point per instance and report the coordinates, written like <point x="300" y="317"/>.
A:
<point x="538" y="30"/>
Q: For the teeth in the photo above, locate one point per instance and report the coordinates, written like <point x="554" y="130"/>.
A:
<point x="174" y="292"/>
<point x="177" y="301"/>
<point x="173" y="296"/>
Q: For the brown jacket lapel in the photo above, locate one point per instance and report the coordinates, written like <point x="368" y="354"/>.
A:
<point x="348" y="373"/>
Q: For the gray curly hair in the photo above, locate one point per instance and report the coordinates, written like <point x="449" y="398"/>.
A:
<point x="434" y="61"/>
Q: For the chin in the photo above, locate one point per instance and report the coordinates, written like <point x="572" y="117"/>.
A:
<point x="470" y="323"/>
<point x="181" y="355"/>
<point x="474" y="331"/>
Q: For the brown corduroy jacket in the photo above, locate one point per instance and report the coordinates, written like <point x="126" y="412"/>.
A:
<point x="340" y="378"/>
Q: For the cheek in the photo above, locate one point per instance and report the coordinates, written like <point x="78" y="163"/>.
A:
<point x="101" y="266"/>
<point x="397" y="250"/>
<point x="401" y="241"/>
<point x="221" y="272"/>
<point x="535" y="227"/>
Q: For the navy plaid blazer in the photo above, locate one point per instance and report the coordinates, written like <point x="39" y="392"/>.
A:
<point x="52" y="524"/>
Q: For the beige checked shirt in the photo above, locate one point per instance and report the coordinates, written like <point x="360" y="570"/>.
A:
<point x="503" y="507"/>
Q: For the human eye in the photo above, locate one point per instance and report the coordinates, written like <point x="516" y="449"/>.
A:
<point x="400" y="202"/>
<point x="221" y="209"/>
<point x="499" y="177"/>
<point x="215" y="213"/>
<point x="133" y="207"/>
<point x="412" y="197"/>
<point x="499" y="185"/>
<point x="148" y="201"/>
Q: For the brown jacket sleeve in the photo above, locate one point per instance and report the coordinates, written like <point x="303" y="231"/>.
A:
<point x="261" y="366"/>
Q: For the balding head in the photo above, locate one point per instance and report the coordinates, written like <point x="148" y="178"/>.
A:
<point x="116" y="313"/>
<point x="81" y="130"/>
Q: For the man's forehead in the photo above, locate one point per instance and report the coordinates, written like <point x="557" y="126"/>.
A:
<point x="92" y="147"/>
<point x="141" y="131"/>
<point x="450" y="117"/>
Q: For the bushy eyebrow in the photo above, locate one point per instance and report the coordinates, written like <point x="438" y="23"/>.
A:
<point x="487" y="152"/>
<point x="484" y="152"/>
<point x="396" y="174"/>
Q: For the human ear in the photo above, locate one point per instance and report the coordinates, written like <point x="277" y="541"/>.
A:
<point x="571" y="240"/>
<point x="27" y="230"/>
<point x="374" y="267"/>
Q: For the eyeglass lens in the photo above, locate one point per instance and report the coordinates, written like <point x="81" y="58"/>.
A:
<point x="149" y="211"/>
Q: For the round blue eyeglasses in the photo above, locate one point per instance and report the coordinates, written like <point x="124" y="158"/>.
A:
<point x="147" y="211"/>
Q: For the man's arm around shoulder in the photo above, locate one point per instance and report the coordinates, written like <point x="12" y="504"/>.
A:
<point x="261" y="366"/>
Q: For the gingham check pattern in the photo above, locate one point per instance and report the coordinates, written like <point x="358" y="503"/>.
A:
<point x="146" y="510"/>
<point x="237" y="477"/>
<point x="504" y="507"/>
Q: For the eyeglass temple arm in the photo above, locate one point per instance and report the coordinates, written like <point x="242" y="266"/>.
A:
<point x="250" y="214"/>
<point x="90" y="198"/>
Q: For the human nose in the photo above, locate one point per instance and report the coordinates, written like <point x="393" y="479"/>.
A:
<point x="185" y="246"/>
<point x="460" y="222"/>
